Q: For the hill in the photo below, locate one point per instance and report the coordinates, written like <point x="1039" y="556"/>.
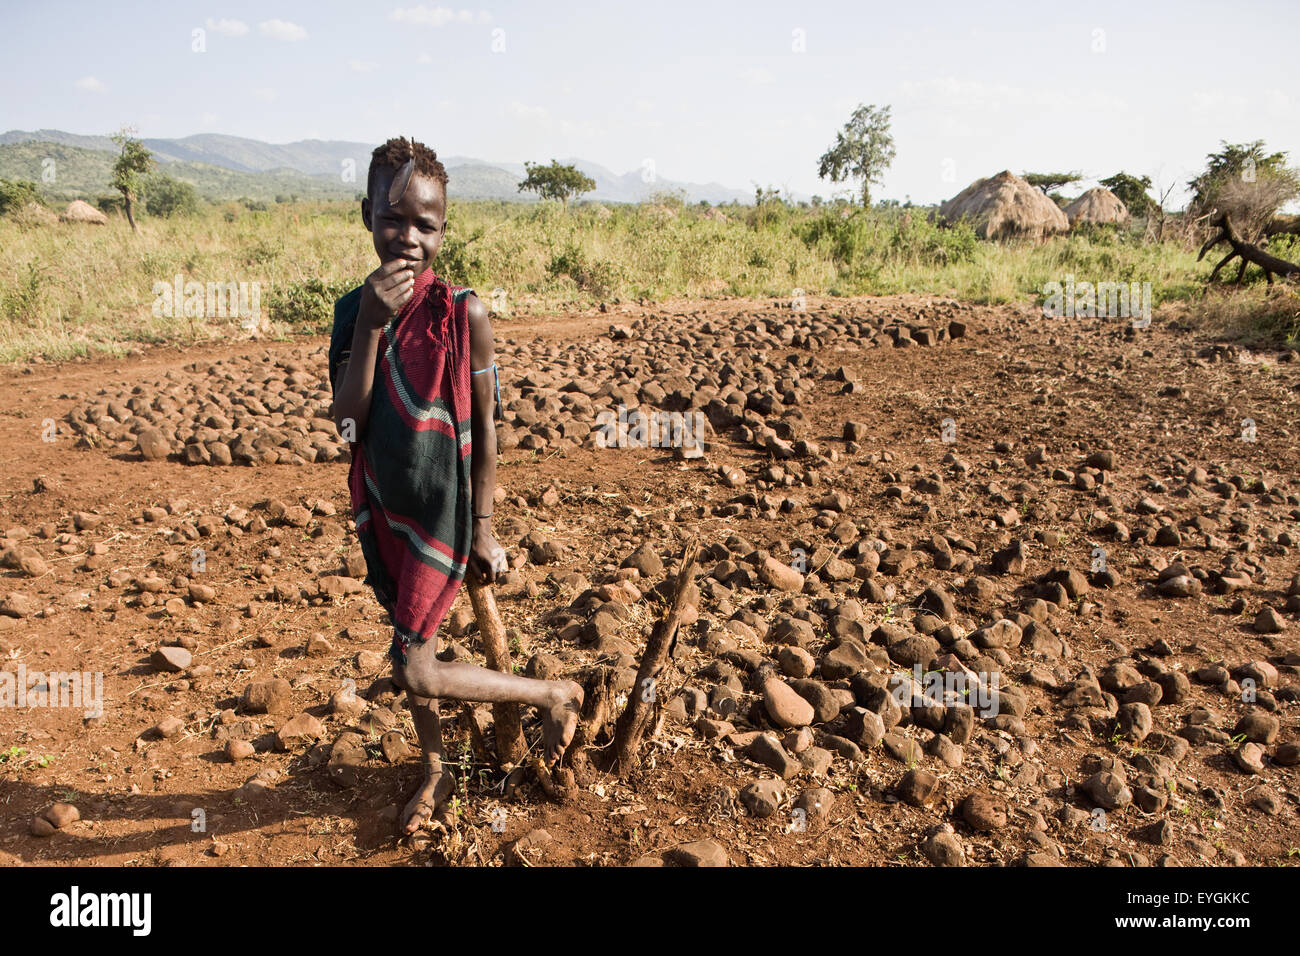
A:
<point x="306" y="168"/>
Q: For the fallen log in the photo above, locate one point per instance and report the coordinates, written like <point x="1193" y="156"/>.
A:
<point x="643" y="702"/>
<point x="1247" y="252"/>
<point x="1283" y="225"/>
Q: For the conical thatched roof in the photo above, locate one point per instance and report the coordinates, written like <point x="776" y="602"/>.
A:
<point x="1098" y="205"/>
<point x="1006" y="207"/>
<point x="79" y="211"/>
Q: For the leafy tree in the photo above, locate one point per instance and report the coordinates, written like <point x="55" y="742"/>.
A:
<point x="556" y="181"/>
<point x="1246" y="182"/>
<point x="134" y="163"/>
<point x="863" y="150"/>
<point x="1131" y="191"/>
<point x="164" y="196"/>
<point x="16" y="193"/>
<point x="1244" y="161"/>
<point x="1049" y="181"/>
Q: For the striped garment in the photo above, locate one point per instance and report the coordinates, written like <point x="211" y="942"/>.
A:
<point x="410" y="473"/>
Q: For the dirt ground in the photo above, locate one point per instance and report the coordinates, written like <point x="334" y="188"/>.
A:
<point x="1162" y="401"/>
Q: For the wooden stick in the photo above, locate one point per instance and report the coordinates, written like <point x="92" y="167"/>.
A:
<point x="643" y="701"/>
<point x="505" y="716"/>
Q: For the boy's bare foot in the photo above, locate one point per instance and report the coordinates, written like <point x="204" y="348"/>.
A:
<point x="560" y="720"/>
<point x="429" y="800"/>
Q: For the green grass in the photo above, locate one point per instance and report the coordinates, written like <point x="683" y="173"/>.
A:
<point x="73" y="290"/>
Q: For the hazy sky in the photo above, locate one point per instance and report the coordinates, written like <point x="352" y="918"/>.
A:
<point x="738" y="93"/>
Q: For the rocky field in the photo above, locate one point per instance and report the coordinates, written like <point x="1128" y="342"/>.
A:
<point x="975" y="587"/>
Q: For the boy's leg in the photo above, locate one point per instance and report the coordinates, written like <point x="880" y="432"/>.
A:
<point x="558" y="702"/>
<point x="438" y="783"/>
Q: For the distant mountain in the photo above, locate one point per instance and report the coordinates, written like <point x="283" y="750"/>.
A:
<point x="81" y="173"/>
<point x="321" y="163"/>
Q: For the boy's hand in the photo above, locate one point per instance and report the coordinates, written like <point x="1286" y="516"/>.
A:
<point x="386" y="291"/>
<point x="487" y="559"/>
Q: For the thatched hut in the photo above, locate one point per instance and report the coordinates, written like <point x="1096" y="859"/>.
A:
<point x="1006" y="207"/>
<point x="1098" y="205"/>
<point x="79" y="211"/>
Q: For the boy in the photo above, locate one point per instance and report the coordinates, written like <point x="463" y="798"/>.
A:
<point x="408" y="363"/>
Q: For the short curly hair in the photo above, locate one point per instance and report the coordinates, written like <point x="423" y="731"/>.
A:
<point x="397" y="151"/>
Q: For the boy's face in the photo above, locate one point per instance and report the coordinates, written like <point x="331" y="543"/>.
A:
<point x="412" y="229"/>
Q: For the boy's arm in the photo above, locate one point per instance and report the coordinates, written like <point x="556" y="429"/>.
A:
<point x="384" y="293"/>
<point x="483" y="463"/>
<point x="356" y="381"/>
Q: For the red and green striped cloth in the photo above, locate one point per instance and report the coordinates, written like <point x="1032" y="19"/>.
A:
<point x="410" y="473"/>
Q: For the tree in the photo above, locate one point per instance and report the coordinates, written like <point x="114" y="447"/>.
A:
<point x="17" y="193"/>
<point x="165" y="196"/>
<point x="134" y="163"/>
<point x="1131" y="191"/>
<point x="1248" y="184"/>
<point x="556" y="181"/>
<point x="863" y="150"/>
<point x="1049" y="181"/>
<point x="1244" y="161"/>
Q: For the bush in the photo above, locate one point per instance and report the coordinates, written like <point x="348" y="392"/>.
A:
<point x="16" y="193"/>
<point x="167" y="197"/>
<point x="598" y="278"/>
<point x="111" y="205"/>
<point x="308" y="306"/>
<point x="844" y="238"/>
<point x="22" y="302"/>
<point x="456" y="263"/>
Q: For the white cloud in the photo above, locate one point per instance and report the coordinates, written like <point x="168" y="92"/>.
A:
<point x="91" y="84"/>
<point x="208" y="120"/>
<point x="536" y="114"/>
<point x="582" y="128"/>
<point x="1218" y="100"/>
<point x="424" y="58"/>
<point x="428" y="16"/>
<point x="362" y="66"/>
<point x="282" y="30"/>
<point x="756" y="76"/>
<point x="265" y="94"/>
<point x="954" y="93"/>
<point x="229" y="28"/>
<point x="1276" y="100"/>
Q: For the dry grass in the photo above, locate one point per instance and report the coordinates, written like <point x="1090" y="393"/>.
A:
<point x="69" y="290"/>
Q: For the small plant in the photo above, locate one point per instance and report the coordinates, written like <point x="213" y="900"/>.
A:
<point x="20" y="304"/>
<point x="308" y="306"/>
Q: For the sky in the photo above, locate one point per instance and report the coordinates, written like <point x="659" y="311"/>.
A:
<point x="743" y="94"/>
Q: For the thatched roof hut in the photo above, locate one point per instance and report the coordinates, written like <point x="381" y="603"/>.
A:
<point x="1006" y="207"/>
<point x="1098" y="205"/>
<point x="79" y="211"/>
